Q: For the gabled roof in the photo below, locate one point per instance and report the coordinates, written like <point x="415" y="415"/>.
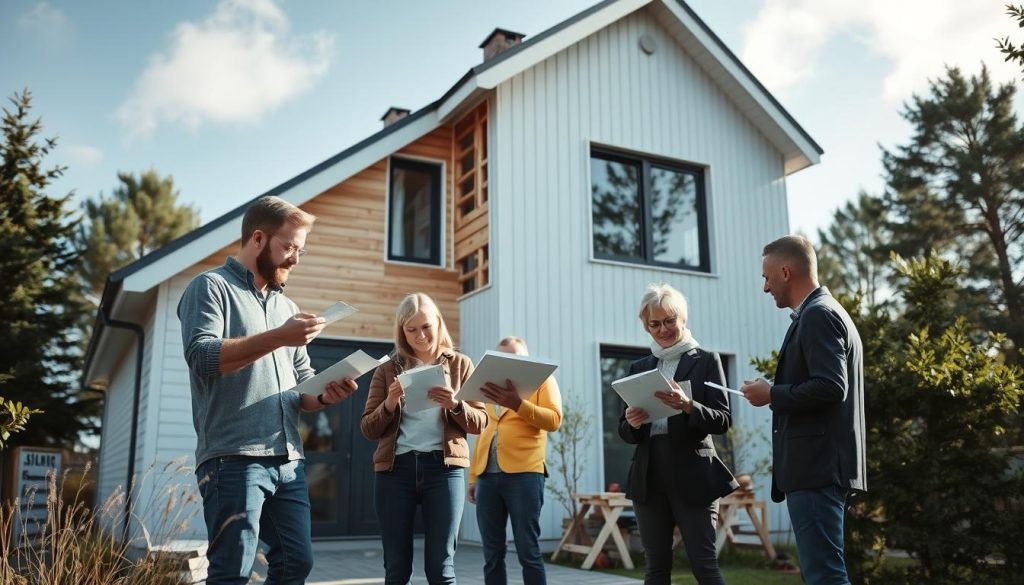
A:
<point x="798" y="148"/>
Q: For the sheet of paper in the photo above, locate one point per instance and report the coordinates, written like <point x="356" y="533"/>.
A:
<point x="416" y="382"/>
<point x="724" y="389"/>
<point x="337" y="311"/>
<point x="355" y="365"/>
<point x="638" y="391"/>
<point x="527" y="374"/>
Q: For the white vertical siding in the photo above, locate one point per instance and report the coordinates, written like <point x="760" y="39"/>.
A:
<point x="606" y="91"/>
<point x="112" y="468"/>
<point x="175" y="444"/>
<point x="168" y="500"/>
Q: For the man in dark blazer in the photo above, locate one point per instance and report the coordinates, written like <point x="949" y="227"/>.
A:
<point x="817" y="402"/>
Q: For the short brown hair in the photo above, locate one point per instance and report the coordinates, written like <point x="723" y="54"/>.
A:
<point x="269" y="213"/>
<point x="796" y="249"/>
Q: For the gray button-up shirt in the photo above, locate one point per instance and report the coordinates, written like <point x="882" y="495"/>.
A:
<point x="250" y="411"/>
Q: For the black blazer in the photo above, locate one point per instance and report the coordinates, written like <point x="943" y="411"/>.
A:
<point x="817" y="402"/>
<point x="701" y="476"/>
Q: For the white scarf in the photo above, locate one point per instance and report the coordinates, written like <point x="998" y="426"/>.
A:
<point x="677" y="349"/>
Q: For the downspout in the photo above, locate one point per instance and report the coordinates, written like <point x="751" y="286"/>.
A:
<point x="140" y="338"/>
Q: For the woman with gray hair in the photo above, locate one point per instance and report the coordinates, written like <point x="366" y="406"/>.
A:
<point x="676" y="478"/>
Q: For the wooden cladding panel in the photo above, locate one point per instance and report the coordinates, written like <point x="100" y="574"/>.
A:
<point x="346" y="251"/>
<point x="470" y="198"/>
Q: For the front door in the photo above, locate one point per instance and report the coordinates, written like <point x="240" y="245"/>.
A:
<point x="339" y="460"/>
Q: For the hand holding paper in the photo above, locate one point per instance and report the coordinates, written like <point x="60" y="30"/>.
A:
<point x="353" y="366"/>
<point x="506" y="396"/>
<point x="639" y="391"/>
<point x="417" y="384"/>
<point x="336" y="391"/>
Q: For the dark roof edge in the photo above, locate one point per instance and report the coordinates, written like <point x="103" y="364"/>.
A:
<point x="540" y="37"/>
<point x="110" y="291"/>
<point x="703" y="25"/>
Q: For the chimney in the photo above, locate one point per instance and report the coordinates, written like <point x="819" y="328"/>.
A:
<point x="500" y="41"/>
<point x="393" y="115"/>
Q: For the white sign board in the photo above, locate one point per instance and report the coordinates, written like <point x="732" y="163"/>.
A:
<point x="31" y="471"/>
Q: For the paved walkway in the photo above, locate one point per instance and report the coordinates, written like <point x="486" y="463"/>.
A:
<point x="361" y="563"/>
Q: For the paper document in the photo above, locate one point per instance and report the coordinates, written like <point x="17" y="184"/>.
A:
<point x="527" y="374"/>
<point x="724" y="389"/>
<point x="638" y="391"/>
<point x="356" y="364"/>
<point x="337" y="311"/>
<point x="416" y="382"/>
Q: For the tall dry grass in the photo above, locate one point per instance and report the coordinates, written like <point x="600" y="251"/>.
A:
<point x="77" y="545"/>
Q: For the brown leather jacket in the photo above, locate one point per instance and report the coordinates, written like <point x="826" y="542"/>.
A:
<point x="377" y="424"/>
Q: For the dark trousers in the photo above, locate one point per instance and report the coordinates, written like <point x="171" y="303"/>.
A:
<point x="664" y="510"/>
<point x="420" y="479"/>
<point x="247" y="499"/>
<point x="817" y="518"/>
<point x="519" y="497"/>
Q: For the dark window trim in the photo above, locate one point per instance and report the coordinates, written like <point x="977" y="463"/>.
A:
<point x="436" y="205"/>
<point x="646" y="163"/>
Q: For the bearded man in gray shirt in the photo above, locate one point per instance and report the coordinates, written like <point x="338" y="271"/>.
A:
<point x="245" y="345"/>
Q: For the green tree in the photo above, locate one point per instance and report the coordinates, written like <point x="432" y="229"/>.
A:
<point x="141" y="215"/>
<point x="39" y="292"/>
<point x="939" y="408"/>
<point x="853" y="250"/>
<point x="958" y="188"/>
<point x="1012" y="51"/>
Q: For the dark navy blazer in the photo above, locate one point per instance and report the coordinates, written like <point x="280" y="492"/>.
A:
<point x="817" y="401"/>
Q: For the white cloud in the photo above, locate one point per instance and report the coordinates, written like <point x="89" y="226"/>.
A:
<point x="783" y="42"/>
<point x="235" y="66"/>
<point x="47" y="23"/>
<point x="84" y="154"/>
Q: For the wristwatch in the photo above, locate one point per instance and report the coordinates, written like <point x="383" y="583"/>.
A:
<point x="320" y="399"/>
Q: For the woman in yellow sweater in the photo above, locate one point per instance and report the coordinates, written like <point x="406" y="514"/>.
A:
<point x="506" y="478"/>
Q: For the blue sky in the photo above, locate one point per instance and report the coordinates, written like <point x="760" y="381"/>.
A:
<point x="236" y="96"/>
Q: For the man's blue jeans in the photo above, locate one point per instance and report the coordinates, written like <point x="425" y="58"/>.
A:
<point x="519" y="497"/>
<point x="440" y="490"/>
<point x="247" y="499"/>
<point x="817" y="518"/>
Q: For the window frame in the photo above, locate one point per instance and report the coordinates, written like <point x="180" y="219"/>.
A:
<point x="645" y="163"/>
<point x="437" y="213"/>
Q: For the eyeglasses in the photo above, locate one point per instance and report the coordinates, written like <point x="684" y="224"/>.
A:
<point x="667" y="323"/>
<point x="290" y="249"/>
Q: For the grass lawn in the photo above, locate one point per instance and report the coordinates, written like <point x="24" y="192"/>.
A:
<point x="739" y="567"/>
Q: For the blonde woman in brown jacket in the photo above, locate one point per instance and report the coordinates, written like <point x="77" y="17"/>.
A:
<point x="421" y="457"/>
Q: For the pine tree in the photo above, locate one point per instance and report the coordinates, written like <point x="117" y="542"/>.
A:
<point x="958" y="188"/>
<point x="853" y="255"/>
<point x="142" y="214"/>
<point x="40" y="302"/>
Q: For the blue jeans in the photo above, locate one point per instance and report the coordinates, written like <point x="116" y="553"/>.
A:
<point x="247" y="499"/>
<point x="420" y="479"/>
<point x="817" y="518"/>
<point x="519" y="496"/>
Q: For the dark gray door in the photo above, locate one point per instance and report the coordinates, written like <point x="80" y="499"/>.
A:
<point x="339" y="460"/>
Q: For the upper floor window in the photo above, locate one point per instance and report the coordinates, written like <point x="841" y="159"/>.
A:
<point x="414" y="212"/>
<point x="648" y="211"/>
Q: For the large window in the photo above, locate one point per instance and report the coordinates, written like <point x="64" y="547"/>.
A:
<point x="648" y="211"/>
<point x="414" y="222"/>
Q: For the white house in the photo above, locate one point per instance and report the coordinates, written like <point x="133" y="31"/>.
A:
<point x="537" y="197"/>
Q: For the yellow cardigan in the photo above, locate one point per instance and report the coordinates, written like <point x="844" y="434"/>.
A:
<point x="523" y="432"/>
